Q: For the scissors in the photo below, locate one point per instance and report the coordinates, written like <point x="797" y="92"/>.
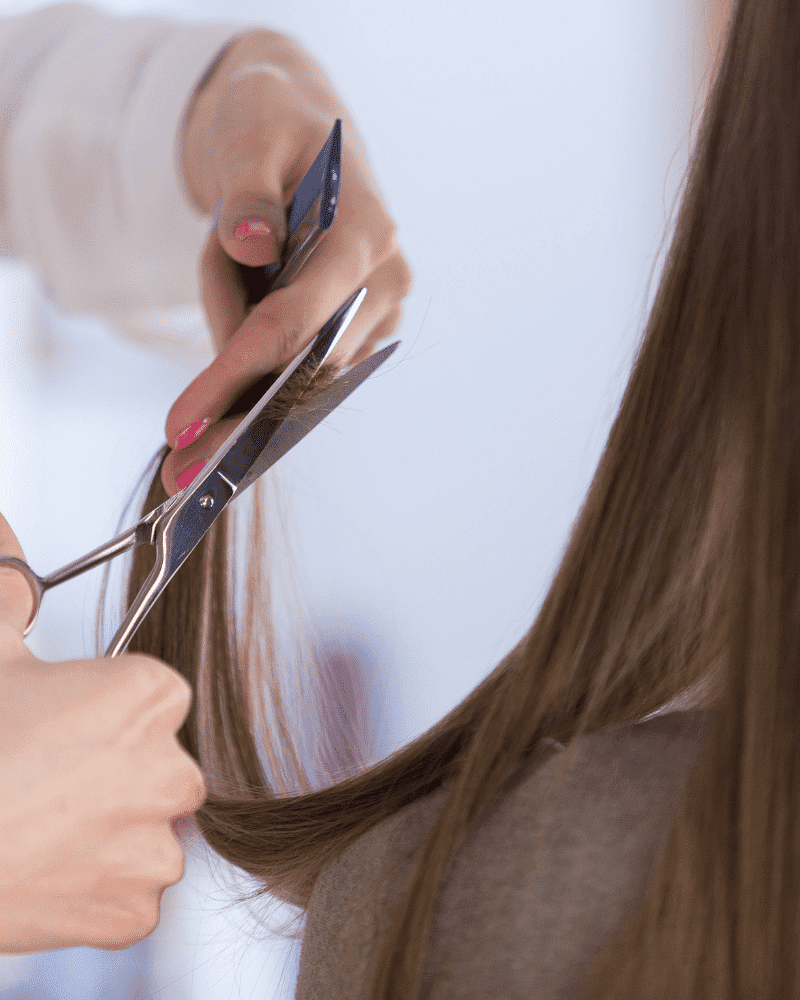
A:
<point x="177" y="526"/>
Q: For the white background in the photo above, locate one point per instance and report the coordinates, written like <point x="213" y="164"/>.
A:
<point x="530" y="153"/>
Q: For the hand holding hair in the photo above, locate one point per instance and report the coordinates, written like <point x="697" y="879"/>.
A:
<point x="91" y="773"/>
<point x="250" y="135"/>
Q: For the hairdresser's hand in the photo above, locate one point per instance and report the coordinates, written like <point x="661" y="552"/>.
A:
<point x="250" y="136"/>
<point x="90" y="776"/>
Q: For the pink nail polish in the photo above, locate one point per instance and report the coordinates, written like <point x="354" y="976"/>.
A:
<point x="191" y="433"/>
<point x="190" y="475"/>
<point x="253" y="227"/>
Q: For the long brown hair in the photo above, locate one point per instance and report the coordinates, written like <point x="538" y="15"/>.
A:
<point x="680" y="580"/>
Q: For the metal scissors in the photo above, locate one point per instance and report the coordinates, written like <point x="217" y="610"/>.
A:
<point x="179" y="524"/>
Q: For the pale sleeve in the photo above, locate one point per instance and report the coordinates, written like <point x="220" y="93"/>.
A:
<point x="91" y="189"/>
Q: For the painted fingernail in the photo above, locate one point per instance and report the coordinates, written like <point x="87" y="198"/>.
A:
<point x="253" y="227"/>
<point x="191" y="433"/>
<point x="190" y="474"/>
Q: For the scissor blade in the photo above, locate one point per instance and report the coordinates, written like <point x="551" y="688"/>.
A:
<point x="185" y="524"/>
<point x="245" y="444"/>
<point x="304" y="418"/>
<point x="313" y="208"/>
<point x="309" y="216"/>
<point x="234" y="457"/>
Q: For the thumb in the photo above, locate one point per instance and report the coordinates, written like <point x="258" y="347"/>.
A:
<point x="16" y="599"/>
<point x="250" y="228"/>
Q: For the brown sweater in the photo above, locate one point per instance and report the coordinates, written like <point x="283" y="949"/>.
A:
<point x="502" y="929"/>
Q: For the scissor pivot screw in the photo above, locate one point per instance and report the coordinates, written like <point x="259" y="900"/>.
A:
<point x="206" y="500"/>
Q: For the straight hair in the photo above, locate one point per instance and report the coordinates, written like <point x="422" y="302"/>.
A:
<point x="679" y="584"/>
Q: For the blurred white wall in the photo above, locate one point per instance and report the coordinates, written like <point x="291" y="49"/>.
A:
<point x="530" y="152"/>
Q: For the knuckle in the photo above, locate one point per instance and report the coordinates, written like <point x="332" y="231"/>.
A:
<point x="173" y="863"/>
<point x="387" y="327"/>
<point x="145" y="921"/>
<point x="147" y="669"/>
<point x="393" y="320"/>
<point x="168" y="680"/>
<point x="149" y="684"/>
<point x="404" y="278"/>
<point x="190" y="790"/>
<point x="384" y="237"/>
<point x="179" y="786"/>
<point x="162" y="865"/>
<point x="378" y="229"/>
<point x="117" y="941"/>
<point x="123" y="930"/>
<point x="180" y="694"/>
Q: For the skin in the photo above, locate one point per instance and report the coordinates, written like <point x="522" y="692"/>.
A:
<point x="91" y="779"/>
<point x="250" y="136"/>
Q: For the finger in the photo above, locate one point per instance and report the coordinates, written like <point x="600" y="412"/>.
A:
<point x="383" y="331"/>
<point x="285" y="321"/>
<point x="252" y="198"/>
<point x="180" y="468"/>
<point x="252" y="227"/>
<point x="351" y="255"/>
<point x="386" y="289"/>
<point x="252" y="161"/>
<point x="259" y="175"/>
<point x="16" y="599"/>
<point x="265" y="342"/>
<point x="222" y="293"/>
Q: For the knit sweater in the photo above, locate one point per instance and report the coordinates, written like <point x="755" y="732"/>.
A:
<point x="517" y="918"/>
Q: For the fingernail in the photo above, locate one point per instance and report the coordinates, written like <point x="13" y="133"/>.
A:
<point x="190" y="474"/>
<point x="191" y="433"/>
<point x="253" y="227"/>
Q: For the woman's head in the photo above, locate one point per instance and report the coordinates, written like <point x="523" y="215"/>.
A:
<point x="680" y="581"/>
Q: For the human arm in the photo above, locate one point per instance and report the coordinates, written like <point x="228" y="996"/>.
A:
<point x="112" y="165"/>
<point x="250" y="135"/>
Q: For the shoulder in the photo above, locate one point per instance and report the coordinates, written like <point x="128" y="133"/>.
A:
<point x="633" y="760"/>
<point x="544" y="874"/>
<point x="604" y="789"/>
<point x="607" y="780"/>
<point x="550" y="869"/>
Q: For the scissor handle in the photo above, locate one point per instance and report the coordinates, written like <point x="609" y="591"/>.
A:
<point x="34" y="582"/>
<point x="39" y="584"/>
<point x="145" y="599"/>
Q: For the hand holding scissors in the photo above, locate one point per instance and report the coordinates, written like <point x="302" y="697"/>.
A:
<point x="250" y="134"/>
<point x="255" y="444"/>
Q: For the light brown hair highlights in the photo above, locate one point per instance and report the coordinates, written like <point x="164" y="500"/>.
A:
<point x="680" y="578"/>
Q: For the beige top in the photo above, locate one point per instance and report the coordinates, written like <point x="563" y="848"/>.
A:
<point x="91" y="187"/>
<point x="503" y="929"/>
